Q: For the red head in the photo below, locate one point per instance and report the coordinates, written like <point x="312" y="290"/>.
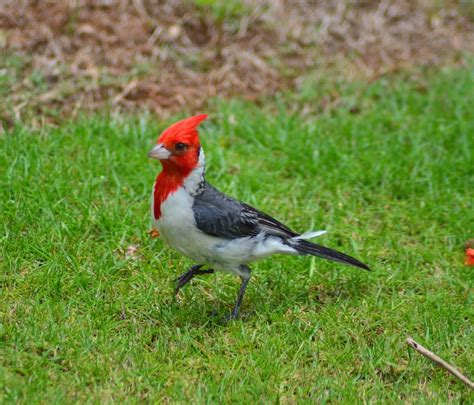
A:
<point x="177" y="149"/>
<point x="178" y="146"/>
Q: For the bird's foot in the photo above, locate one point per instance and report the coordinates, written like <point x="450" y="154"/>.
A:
<point x="233" y="316"/>
<point x="183" y="279"/>
<point x="235" y="311"/>
<point x="187" y="276"/>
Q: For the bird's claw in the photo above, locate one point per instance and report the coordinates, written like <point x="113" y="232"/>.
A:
<point x="186" y="277"/>
<point x="233" y="316"/>
<point x="182" y="280"/>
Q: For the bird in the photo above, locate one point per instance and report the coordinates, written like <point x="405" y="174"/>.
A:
<point x="211" y="228"/>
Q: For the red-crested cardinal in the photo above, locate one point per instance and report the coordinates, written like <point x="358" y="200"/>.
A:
<point x="210" y="227"/>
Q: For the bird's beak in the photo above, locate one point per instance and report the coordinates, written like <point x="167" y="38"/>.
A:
<point x="159" y="152"/>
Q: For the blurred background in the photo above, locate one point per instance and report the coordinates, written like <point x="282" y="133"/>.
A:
<point x="59" y="58"/>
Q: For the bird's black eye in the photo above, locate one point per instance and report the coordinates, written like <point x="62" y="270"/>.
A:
<point x="180" y="147"/>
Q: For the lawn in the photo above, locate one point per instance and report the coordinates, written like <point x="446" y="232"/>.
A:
<point x="87" y="311"/>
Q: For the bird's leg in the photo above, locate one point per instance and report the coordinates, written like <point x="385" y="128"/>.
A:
<point x="186" y="277"/>
<point x="245" y="280"/>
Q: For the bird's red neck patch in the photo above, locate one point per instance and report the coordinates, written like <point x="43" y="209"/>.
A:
<point x="167" y="182"/>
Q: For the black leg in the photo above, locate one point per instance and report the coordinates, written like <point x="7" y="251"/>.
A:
<point x="186" y="277"/>
<point x="245" y="280"/>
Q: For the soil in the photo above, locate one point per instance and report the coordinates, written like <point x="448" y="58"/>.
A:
<point x="65" y="57"/>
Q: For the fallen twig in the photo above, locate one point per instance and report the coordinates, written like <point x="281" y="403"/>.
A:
<point x="439" y="361"/>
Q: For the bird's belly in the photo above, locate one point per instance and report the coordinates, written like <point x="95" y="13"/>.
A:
<point x="201" y="248"/>
<point x="186" y="240"/>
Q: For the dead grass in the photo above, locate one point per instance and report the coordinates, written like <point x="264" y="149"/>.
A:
<point x="62" y="57"/>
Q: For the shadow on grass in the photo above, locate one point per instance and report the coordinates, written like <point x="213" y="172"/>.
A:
<point x="264" y="299"/>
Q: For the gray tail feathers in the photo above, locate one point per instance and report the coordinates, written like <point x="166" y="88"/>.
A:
<point x="307" y="248"/>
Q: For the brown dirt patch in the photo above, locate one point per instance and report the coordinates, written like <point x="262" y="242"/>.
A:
<point x="62" y="57"/>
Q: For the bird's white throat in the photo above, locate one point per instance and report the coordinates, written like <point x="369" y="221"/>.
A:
<point x="194" y="181"/>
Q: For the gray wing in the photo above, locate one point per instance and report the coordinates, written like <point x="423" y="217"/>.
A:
<point x="220" y="215"/>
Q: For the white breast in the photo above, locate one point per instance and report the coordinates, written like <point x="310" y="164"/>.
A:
<point x="178" y="228"/>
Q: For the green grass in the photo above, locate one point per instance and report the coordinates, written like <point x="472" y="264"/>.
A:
<point x="393" y="184"/>
<point x="225" y="11"/>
